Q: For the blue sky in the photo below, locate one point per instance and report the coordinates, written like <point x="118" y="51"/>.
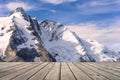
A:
<point x="100" y="17"/>
<point x="66" y="11"/>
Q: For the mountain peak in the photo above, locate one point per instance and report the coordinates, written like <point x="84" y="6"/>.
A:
<point x="51" y="24"/>
<point x="46" y="21"/>
<point x="19" y="9"/>
<point x="19" y="12"/>
<point x="23" y="39"/>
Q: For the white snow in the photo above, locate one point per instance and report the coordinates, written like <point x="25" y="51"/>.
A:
<point x="59" y="41"/>
<point x="37" y="59"/>
<point x="22" y="25"/>
<point x="5" y="23"/>
<point x="17" y="19"/>
<point x="68" y="47"/>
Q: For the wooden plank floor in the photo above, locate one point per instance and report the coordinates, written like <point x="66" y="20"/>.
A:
<point x="59" y="71"/>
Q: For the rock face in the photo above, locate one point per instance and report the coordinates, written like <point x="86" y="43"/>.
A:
<point x="22" y="38"/>
<point x="65" y="45"/>
<point x="23" y="42"/>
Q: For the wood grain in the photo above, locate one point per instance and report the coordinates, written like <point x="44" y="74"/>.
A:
<point x="59" y="71"/>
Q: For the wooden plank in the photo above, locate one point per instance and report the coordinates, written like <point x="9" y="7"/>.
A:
<point x="107" y="69"/>
<point x="110" y="66"/>
<point x="66" y="73"/>
<point x="14" y="69"/>
<point x="57" y="71"/>
<point x="115" y="65"/>
<point x="4" y="65"/>
<point x="10" y="68"/>
<point x="54" y="73"/>
<point x="102" y="72"/>
<point x="78" y="73"/>
<point x="92" y="74"/>
<point x="42" y="73"/>
<point x="30" y="73"/>
<point x="7" y="66"/>
<point x="19" y="72"/>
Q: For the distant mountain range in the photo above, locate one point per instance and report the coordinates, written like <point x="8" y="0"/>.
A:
<point x="23" y="38"/>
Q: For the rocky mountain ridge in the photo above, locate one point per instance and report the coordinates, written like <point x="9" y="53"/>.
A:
<point x="22" y="38"/>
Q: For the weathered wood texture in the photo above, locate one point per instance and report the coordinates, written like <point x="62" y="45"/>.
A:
<point x="59" y="71"/>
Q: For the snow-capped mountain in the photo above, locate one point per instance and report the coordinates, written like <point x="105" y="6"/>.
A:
<point x="65" y="45"/>
<point x="22" y="38"/>
<point x="19" y="39"/>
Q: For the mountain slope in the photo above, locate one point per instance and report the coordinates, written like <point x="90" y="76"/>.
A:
<point x="22" y="38"/>
<point x="20" y="43"/>
<point x="65" y="45"/>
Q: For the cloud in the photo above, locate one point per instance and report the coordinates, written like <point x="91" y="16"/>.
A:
<point x="14" y="5"/>
<point x="49" y="10"/>
<point x="99" y="6"/>
<point x="57" y="1"/>
<point x="10" y="6"/>
<point x="53" y="11"/>
<point x="108" y="36"/>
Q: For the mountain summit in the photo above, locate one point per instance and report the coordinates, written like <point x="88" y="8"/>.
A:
<point x="22" y="38"/>
<point x="18" y="10"/>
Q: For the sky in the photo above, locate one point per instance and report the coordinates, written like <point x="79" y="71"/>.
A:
<point x="93" y="19"/>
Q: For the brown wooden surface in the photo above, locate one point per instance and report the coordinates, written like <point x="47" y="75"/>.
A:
<point x="59" y="71"/>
